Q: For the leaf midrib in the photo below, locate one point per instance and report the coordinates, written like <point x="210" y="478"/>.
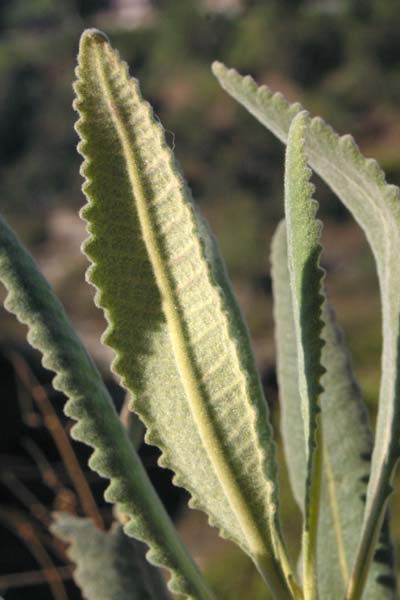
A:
<point x="383" y="260"/>
<point x="388" y="340"/>
<point x="334" y="508"/>
<point x="209" y="437"/>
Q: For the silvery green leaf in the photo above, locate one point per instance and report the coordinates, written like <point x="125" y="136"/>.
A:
<point x="305" y="277"/>
<point x="109" y="565"/>
<point x="347" y="444"/>
<point x="171" y="322"/>
<point x="360" y="184"/>
<point x="31" y="299"/>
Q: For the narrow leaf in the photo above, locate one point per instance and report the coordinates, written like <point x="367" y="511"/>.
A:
<point x="31" y="299"/>
<point x="361" y="185"/>
<point x="305" y="276"/>
<point x="110" y="565"/>
<point x="172" y="327"/>
<point x="347" y="444"/>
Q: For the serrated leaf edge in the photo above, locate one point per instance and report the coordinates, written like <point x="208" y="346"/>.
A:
<point x="276" y="549"/>
<point x="384" y="465"/>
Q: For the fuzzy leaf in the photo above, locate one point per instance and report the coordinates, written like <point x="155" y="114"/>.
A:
<point x="31" y="299"/>
<point x="346" y="462"/>
<point x="170" y="324"/>
<point x="110" y="565"/>
<point x="361" y="185"/>
<point x="305" y="276"/>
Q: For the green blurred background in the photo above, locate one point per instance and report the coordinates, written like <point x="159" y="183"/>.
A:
<point x="340" y="58"/>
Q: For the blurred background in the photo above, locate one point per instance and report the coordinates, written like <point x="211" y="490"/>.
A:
<point x="340" y="58"/>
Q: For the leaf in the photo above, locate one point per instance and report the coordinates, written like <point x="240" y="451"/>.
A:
<point x="170" y="324"/>
<point x="361" y="185"/>
<point x="305" y="277"/>
<point x="110" y="565"/>
<point x="347" y="444"/>
<point x="31" y="299"/>
<point x="292" y="427"/>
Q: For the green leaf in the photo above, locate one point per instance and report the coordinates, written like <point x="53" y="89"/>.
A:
<point x="292" y="427"/>
<point x="347" y="444"/>
<point x="361" y="185"/>
<point x="172" y="327"/>
<point x="31" y="299"/>
<point x="110" y="565"/>
<point x="305" y="276"/>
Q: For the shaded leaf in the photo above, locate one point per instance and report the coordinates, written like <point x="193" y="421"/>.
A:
<point x="361" y="185"/>
<point x="110" y="566"/>
<point x="347" y="444"/>
<point x="305" y="277"/>
<point x="31" y="299"/>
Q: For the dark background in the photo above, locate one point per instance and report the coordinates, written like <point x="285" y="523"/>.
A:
<point x="340" y="58"/>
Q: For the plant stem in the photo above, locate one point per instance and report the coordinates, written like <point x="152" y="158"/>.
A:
<point x="60" y="438"/>
<point x="310" y="536"/>
<point x="281" y="585"/>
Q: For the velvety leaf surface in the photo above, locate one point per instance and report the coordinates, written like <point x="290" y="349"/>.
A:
<point x="305" y="277"/>
<point x="171" y="325"/>
<point x="347" y="444"/>
<point x="361" y="185"/>
<point x="109" y="565"/>
<point x="31" y="299"/>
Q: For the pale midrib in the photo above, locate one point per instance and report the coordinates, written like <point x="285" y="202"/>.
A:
<point x="334" y="508"/>
<point x="385" y="461"/>
<point x="180" y="554"/>
<point x="389" y="441"/>
<point x="256" y="542"/>
<point x="389" y="341"/>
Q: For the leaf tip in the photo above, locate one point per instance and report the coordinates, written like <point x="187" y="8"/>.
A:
<point x="218" y="68"/>
<point x="300" y="121"/>
<point x="91" y="38"/>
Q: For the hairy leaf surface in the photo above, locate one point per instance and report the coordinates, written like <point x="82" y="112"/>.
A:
<point x="171" y="325"/>
<point x="31" y="299"/>
<point x="109" y="565"/>
<point x="347" y="444"/>
<point x="305" y="276"/>
<point x="361" y="185"/>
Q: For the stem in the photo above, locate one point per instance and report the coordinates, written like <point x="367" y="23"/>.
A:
<point x="30" y="578"/>
<point x="281" y="583"/>
<point x="283" y="560"/>
<point x="310" y="535"/>
<point x="60" y="438"/>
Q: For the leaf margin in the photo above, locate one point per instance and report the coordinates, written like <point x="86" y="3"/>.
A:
<point x="269" y="563"/>
<point x="31" y="300"/>
<point x="306" y="284"/>
<point x="386" y="452"/>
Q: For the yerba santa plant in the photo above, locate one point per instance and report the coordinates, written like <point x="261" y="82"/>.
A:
<point x="183" y="352"/>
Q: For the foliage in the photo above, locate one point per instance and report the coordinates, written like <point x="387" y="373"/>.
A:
<point x="361" y="185"/>
<point x="192" y="346"/>
<point x="110" y="565"/>
<point x="183" y="352"/>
